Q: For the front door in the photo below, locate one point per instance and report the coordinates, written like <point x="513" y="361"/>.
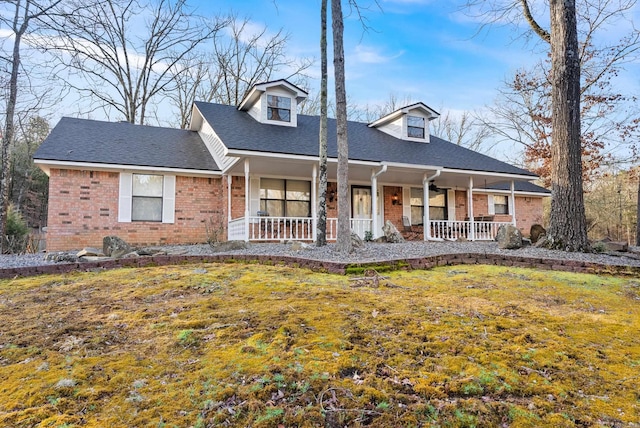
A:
<point x="361" y="209"/>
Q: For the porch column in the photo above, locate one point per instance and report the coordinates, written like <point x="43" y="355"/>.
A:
<point x="229" y="197"/>
<point x="426" y="226"/>
<point x="247" y="200"/>
<point x="513" y="203"/>
<point x="314" y="203"/>
<point x="470" y="210"/>
<point x="374" y="200"/>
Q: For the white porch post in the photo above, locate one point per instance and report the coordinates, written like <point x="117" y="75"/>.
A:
<point x="229" y="197"/>
<point x="374" y="200"/>
<point x="426" y="226"/>
<point x="314" y="203"/>
<point x="470" y="211"/>
<point x="247" y="200"/>
<point x="513" y="203"/>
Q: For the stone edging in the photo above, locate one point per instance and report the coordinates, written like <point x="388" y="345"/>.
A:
<point x="330" y="267"/>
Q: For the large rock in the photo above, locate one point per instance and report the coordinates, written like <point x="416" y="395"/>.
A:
<point x="222" y="247"/>
<point x="509" y="237"/>
<point x="615" y="246"/>
<point x="536" y="232"/>
<point x="391" y="233"/>
<point x="356" y="241"/>
<point x="115" y="247"/>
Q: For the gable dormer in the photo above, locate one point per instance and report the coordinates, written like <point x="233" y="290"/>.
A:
<point x="408" y="123"/>
<point x="275" y="103"/>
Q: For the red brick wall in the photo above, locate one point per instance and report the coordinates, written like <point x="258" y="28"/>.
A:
<point x="528" y="210"/>
<point x="393" y="212"/>
<point x="237" y="197"/>
<point x="83" y="208"/>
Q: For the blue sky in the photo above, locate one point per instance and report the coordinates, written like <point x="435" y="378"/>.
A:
<point x="425" y="50"/>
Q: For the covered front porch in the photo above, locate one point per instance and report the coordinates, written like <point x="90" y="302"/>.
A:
<point x="284" y="207"/>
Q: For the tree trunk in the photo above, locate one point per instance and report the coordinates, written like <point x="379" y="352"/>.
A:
<point x="321" y="238"/>
<point x="638" y="217"/>
<point x="567" y="228"/>
<point x="9" y="130"/>
<point x="344" y="225"/>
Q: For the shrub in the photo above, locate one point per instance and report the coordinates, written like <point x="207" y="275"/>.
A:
<point x="17" y="232"/>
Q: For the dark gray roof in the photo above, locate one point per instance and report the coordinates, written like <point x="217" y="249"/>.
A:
<point x="240" y="131"/>
<point x="519" y="186"/>
<point x="82" y="140"/>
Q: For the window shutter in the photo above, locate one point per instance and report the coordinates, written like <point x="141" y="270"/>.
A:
<point x="169" y="199"/>
<point x="406" y="202"/>
<point x="492" y="207"/>
<point x="124" y="197"/>
<point x="451" y="204"/>
<point x="254" y="192"/>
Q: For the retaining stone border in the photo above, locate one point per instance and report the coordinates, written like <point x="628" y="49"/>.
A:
<point x="330" y="267"/>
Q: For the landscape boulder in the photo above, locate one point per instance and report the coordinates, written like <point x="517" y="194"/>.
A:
<point x="536" y="232"/>
<point x="615" y="246"/>
<point x="221" y="247"/>
<point x="299" y="246"/>
<point x="509" y="237"/>
<point x="356" y="241"/>
<point x="113" y="246"/>
<point x="391" y="233"/>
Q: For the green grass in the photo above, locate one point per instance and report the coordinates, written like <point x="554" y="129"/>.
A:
<point x="249" y="345"/>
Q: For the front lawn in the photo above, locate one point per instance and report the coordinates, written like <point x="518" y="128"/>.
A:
<point x="249" y="345"/>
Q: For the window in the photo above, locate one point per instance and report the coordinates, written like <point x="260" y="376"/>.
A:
<point x="417" y="206"/>
<point x="415" y="127"/>
<point x="146" y="197"/>
<point x="438" y="204"/>
<point x="285" y="198"/>
<point x="501" y="204"/>
<point x="278" y="108"/>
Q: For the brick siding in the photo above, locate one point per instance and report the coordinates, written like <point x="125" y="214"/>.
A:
<point x="83" y="208"/>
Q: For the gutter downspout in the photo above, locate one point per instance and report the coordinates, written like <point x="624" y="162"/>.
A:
<point x="426" y="234"/>
<point x="374" y="199"/>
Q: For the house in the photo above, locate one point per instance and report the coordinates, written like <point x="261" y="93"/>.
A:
<point x="251" y="173"/>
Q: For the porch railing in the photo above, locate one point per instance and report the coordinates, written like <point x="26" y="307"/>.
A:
<point x="358" y="225"/>
<point x="289" y="228"/>
<point x="235" y="230"/>
<point x="454" y="230"/>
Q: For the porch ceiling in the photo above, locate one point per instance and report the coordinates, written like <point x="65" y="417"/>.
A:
<point x="359" y="173"/>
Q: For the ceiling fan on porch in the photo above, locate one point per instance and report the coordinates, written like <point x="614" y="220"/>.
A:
<point x="433" y="187"/>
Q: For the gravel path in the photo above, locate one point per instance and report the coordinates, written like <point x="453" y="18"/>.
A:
<point x="370" y="253"/>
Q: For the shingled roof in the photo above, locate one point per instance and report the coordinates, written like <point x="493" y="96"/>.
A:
<point x="518" y="186"/>
<point x="239" y="131"/>
<point x="122" y="143"/>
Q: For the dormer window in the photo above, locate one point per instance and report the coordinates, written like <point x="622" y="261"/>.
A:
<point x="278" y="108"/>
<point x="415" y="127"/>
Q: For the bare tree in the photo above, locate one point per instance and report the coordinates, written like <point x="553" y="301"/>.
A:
<point x="321" y="239"/>
<point x="127" y="52"/>
<point x="240" y="59"/>
<point x="24" y="13"/>
<point x="344" y="225"/>
<point x="243" y="59"/>
<point x="465" y="130"/>
<point x="568" y="226"/>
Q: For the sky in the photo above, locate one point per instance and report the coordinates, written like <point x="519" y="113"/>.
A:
<point x="424" y="50"/>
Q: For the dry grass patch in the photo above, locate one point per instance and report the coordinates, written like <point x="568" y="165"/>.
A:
<point x="247" y="345"/>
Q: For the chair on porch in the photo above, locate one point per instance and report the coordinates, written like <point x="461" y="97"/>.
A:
<point x="407" y="229"/>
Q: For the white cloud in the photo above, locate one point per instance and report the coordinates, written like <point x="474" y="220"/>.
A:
<point x="371" y="55"/>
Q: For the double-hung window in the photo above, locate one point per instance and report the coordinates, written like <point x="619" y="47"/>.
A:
<point x="146" y="197"/>
<point x="285" y="198"/>
<point x="417" y="206"/>
<point x="501" y="204"/>
<point x="438" y="204"/>
<point x="415" y="127"/>
<point x="278" y="108"/>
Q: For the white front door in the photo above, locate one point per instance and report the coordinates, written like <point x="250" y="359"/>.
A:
<point x="361" y="209"/>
